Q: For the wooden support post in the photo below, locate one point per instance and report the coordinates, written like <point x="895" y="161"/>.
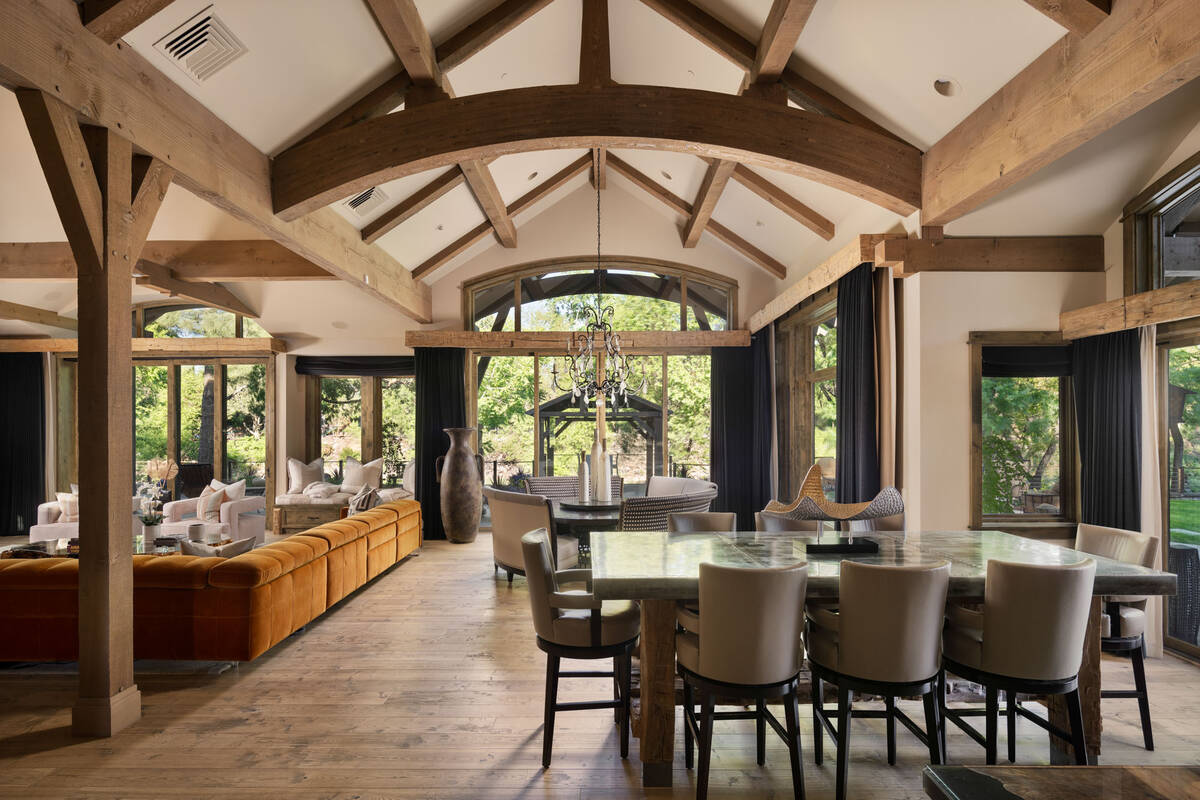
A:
<point x="656" y="710"/>
<point x="218" y="425"/>
<point x="66" y="441"/>
<point x="537" y="415"/>
<point x="312" y="417"/>
<point x="372" y="418"/>
<point x="1089" y="698"/>
<point x="272" y="428"/>
<point x="173" y="445"/>
<point x="666" y="452"/>
<point x="91" y="178"/>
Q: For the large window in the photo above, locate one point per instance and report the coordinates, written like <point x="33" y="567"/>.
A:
<point x="184" y="321"/>
<point x="1181" y="411"/>
<point x="341" y="423"/>
<point x="399" y="426"/>
<point x="644" y="295"/>
<point x="1023" y="448"/>
<point x="1162" y="231"/>
<point x="806" y="392"/>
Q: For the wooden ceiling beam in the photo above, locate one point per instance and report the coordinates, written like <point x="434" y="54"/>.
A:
<point x="377" y="100"/>
<point x="715" y="178"/>
<point x="521" y="204"/>
<point x="151" y="179"/>
<point x="595" y="58"/>
<point x="163" y="279"/>
<point x="147" y="348"/>
<point x="38" y="316"/>
<point x="1169" y="304"/>
<point x="908" y="257"/>
<point x="1076" y="90"/>
<point x="805" y="215"/>
<point x="785" y="22"/>
<point x="423" y="197"/>
<point x="684" y="209"/>
<point x="487" y="194"/>
<point x="402" y="27"/>
<point x="225" y="261"/>
<point x="118" y="89"/>
<point x="838" y="154"/>
<point x="1079" y="17"/>
<point x="743" y="52"/>
<point x="541" y="340"/>
<point x="112" y="19"/>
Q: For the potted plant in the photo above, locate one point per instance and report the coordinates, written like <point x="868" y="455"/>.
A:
<point x="150" y="494"/>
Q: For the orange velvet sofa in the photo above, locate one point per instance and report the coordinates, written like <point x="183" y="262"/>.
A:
<point x="220" y="609"/>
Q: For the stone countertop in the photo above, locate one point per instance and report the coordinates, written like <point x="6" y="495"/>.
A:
<point x="1067" y="783"/>
<point x="667" y="566"/>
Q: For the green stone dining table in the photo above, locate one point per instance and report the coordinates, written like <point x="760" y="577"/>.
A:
<point x="658" y="569"/>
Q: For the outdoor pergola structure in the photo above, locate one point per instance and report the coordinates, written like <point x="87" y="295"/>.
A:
<point x="555" y="416"/>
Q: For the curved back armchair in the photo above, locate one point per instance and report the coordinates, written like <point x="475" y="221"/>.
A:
<point x="651" y="513"/>
<point x="565" y="487"/>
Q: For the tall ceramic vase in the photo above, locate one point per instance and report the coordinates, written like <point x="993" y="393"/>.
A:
<point x="460" y="473"/>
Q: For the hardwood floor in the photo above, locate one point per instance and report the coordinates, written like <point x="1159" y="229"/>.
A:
<point x="427" y="684"/>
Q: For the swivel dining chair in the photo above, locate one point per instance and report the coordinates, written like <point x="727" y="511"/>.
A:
<point x="769" y="522"/>
<point x="748" y="647"/>
<point x="687" y="613"/>
<point x="1027" y="640"/>
<point x="884" y="639"/>
<point x="574" y="624"/>
<point x="513" y="515"/>
<point x="1123" y="624"/>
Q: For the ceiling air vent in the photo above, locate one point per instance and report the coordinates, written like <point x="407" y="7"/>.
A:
<point x="363" y="204"/>
<point x="201" y="46"/>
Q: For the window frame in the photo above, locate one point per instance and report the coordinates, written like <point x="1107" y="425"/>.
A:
<point x="1034" y="525"/>
<point x="1142" y="224"/>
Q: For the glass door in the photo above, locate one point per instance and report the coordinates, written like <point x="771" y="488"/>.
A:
<point x="1182" y="484"/>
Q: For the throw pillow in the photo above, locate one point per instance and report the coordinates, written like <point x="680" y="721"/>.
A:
<point x="357" y="475"/>
<point x="75" y="488"/>
<point x="208" y="507"/>
<point x="366" y="498"/>
<point x="68" y="507"/>
<point x="301" y="474"/>
<point x="225" y="551"/>
<point x="234" y="491"/>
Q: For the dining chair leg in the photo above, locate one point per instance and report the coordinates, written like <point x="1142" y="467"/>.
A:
<point x="617" y="661"/>
<point x="510" y="577"/>
<point x="845" y="699"/>
<point x="993" y="722"/>
<point x="933" y="725"/>
<point x="1075" y="713"/>
<point x="1012" y="726"/>
<point x="818" y="708"/>
<point x="760" y="724"/>
<point x="941" y="698"/>
<point x="706" y="734"/>
<point x="689" y="706"/>
<point x="1138" y="657"/>
<point x="552" y="664"/>
<point x="791" y="712"/>
<point x="890" y="705"/>
<point x="626" y="689"/>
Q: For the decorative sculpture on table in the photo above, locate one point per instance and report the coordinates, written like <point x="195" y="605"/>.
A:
<point x="811" y="504"/>
<point x="460" y="473"/>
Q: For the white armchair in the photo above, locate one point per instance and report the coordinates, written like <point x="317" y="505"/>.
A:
<point x="49" y="528"/>
<point x="246" y="516"/>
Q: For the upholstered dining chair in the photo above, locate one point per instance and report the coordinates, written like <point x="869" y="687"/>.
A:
<point x="884" y="639"/>
<point x="748" y="647"/>
<point x="1123" y="624"/>
<point x="565" y="487"/>
<point x="701" y="522"/>
<point x="1027" y="640"/>
<point x="768" y="522"/>
<point x="652" y="513"/>
<point x="513" y="515"/>
<point x="574" y="624"/>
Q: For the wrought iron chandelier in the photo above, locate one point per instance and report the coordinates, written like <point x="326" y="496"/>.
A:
<point x="585" y="348"/>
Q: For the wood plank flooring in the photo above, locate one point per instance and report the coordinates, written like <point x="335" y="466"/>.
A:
<point x="427" y="684"/>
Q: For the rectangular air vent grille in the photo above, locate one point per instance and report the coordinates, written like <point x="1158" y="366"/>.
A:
<point x="363" y="204"/>
<point x="201" y="46"/>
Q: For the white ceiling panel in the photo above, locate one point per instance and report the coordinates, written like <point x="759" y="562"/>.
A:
<point x="647" y="48"/>
<point x="517" y="174"/>
<point x="303" y="59"/>
<point x="680" y="173"/>
<point x="444" y="18"/>
<point x="761" y="224"/>
<point x="397" y="192"/>
<point x="432" y="228"/>
<point x="543" y="50"/>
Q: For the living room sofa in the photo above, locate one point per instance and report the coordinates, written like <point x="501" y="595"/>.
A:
<point x="220" y="609"/>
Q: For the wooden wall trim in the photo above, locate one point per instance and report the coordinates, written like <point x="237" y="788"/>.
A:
<point x="530" y="341"/>
<point x="1170" y="304"/>
<point x="146" y="347"/>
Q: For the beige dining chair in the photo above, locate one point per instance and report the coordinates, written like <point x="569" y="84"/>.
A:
<point x="687" y="613"/>
<point x="884" y="639"/>
<point x="574" y="624"/>
<point x="513" y="515"/>
<point x="749" y="647"/>
<point x="1123" y="624"/>
<point x="1027" y="640"/>
<point x="768" y="522"/>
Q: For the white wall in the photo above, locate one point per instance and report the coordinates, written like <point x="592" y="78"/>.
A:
<point x="940" y="310"/>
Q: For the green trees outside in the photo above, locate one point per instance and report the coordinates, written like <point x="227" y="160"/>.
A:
<point x="1183" y="443"/>
<point x="1020" y="441"/>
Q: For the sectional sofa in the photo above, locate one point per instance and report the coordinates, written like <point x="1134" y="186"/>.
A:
<point x="221" y="609"/>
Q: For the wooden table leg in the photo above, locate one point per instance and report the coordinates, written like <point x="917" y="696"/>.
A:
<point x="1089" y="698"/>
<point x="657" y="707"/>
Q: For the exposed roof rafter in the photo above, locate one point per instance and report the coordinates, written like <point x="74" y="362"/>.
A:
<point x="1079" y="17"/>
<point x="112" y="19"/>
<point x="38" y="316"/>
<point x="784" y="24"/>
<point x="163" y="279"/>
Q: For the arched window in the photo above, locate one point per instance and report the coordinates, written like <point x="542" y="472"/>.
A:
<point x="645" y="294"/>
<point x="188" y="321"/>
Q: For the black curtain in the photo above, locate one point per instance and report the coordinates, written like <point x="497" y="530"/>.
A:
<point x="1107" y="380"/>
<point x="355" y="366"/>
<point x="441" y="403"/>
<point x="22" y="441"/>
<point x="741" y="428"/>
<point x="857" y="419"/>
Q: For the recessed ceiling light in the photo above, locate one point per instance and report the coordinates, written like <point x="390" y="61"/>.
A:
<point x="503" y="75"/>
<point x="758" y="223"/>
<point x="692" y="72"/>
<point x="533" y="175"/>
<point x="341" y="326"/>
<point x="666" y="174"/>
<point x="441" y="227"/>
<point x="946" y="87"/>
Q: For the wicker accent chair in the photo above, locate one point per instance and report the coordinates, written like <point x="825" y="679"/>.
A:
<point x="565" y="487"/>
<point x="652" y="513"/>
<point x="1183" y="619"/>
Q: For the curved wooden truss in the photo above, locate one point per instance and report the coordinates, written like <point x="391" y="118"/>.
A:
<point x="706" y="124"/>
